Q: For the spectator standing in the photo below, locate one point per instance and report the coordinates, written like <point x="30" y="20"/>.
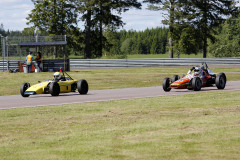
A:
<point x="29" y="60"/>
<point x="39" y="61"/>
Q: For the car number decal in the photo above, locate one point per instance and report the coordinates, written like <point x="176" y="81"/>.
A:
<point x="179" y="80"/>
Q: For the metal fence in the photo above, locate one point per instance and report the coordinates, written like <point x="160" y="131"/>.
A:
<point x="130" y="63"/>
<point x="125" y="63"/>
<point x="6" y="65"/>
<point x="48" y="65"/>
<point x="17" y="48"/>
<point x="14" y="50"/>
<point x="16" y="45"/>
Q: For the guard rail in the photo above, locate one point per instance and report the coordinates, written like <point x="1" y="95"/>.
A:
<point x="134" y="63"/>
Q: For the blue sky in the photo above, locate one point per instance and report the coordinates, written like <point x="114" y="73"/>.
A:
<point x="13" y="15"/>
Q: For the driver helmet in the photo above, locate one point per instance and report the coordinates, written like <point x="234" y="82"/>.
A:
<point x="196" y="71"/>
<point x="57" y="76"/>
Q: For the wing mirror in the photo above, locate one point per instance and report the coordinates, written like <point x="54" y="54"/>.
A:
<point x="39" y="81"/>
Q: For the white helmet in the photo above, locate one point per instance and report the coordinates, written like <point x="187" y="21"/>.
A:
<point x="196" y="71"/>
<point x="57" y="76"/>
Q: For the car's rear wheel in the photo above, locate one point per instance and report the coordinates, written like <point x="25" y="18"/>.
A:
<point x="82" y="86"/>
<point x="54" y="89"/>
<point x="23" y="88"/>
<point x="221" y="80"/>
<point x="196" y="84"/>
<point x="166" y="84"/>
<point x="175" y="78"/>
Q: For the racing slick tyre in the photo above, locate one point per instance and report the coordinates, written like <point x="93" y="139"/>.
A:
<point x="175" y="78"/>
<point x="54" y="89"/>
<point x="166" y="84"/>
<point x="23" y="88"/>
<point x="221" y="80"/>
<point x="82" y="86"/>
<point x="196" y="84"/>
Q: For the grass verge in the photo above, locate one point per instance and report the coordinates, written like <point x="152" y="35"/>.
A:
<point x="142" y="56"/>
<point x="198" y="126"/>
<point x="105" y="78"/>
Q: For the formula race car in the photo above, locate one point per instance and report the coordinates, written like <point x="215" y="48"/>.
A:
<point x="202" y="76"/>
<point x="60" y="84"/>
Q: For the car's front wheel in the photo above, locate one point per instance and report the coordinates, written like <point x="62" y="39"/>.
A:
<point x="23" y="88"/>
<point x="196" y="84"/>
<point x="221" y="81"/>
<point x="82" y="86"/>
<point x="166" y="84"/>
<point x="54" y="89"/>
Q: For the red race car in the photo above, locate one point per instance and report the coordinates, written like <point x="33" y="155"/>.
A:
<point x="202" y="76"/>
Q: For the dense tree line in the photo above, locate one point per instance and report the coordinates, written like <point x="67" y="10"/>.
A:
<point x="199" y="17"/>
<point x="193" y="26"/>
<point x="187" y="17"/>
<point x="227" y="43"/>
<point x="61" y="17"/>
<point x="150" y="41"/>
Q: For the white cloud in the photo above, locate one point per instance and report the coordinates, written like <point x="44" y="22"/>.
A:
<point x="136" y="19"/>
<point x="13" y="15"/>
<point x="7" y="2"/>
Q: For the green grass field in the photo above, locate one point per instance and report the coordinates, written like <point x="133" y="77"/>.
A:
<point x="105" y="78"/>
<point x="141" y="56"/>
<point x="200" y="126"/>
<point x="134" y="56"/>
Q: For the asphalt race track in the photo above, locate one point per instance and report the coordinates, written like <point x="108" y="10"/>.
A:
<point x="17" y="101"/>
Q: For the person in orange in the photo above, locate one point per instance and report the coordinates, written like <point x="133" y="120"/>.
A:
<point x="29" y="60"/>
<point x="39" y="60"/>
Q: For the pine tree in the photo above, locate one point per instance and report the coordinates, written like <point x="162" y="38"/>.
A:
<point x="154" y="46"/>
<point x="205" y="15"/>
<point x="227" y="39"/>
<point x="98" y="15"/>
<point x="170" y="6"/>
<point x="54" y="16"/>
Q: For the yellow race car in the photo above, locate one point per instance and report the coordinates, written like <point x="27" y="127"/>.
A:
<point x="60" y="84"/>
